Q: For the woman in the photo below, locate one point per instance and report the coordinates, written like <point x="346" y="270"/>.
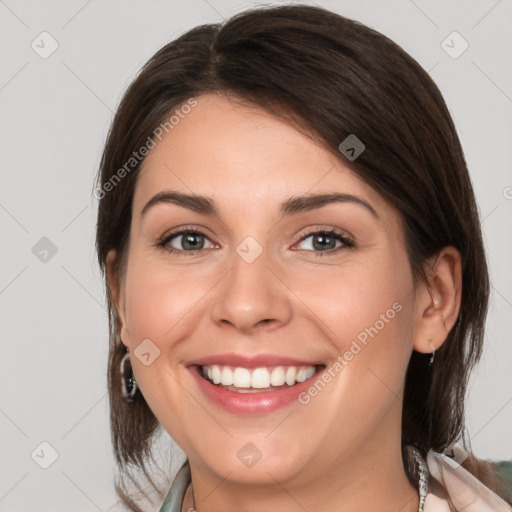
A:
<point x="295" y="272"/>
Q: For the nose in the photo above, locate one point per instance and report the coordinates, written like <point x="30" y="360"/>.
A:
<point x="252" y="297"/>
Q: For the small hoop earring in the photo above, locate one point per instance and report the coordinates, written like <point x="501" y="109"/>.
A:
<point x="128" y="385"/>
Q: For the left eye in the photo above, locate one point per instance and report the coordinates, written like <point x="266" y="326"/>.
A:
<point x="324" y="241"/>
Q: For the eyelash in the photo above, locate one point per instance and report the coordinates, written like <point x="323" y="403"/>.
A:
<point x="162" y="243"/>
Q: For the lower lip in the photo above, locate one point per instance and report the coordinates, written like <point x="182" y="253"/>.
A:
<point x="254" y="402"/>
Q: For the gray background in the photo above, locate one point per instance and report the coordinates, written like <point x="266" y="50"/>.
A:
<point x="55" y="113"/>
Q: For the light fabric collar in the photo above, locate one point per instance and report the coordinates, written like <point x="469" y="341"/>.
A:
<point x="466" y="492"/>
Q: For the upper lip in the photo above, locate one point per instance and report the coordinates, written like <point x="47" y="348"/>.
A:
<point x="255" y="361"/>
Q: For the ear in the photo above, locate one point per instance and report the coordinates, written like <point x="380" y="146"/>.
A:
<point x="117" y="293"/>
<point x="438" y="301"/>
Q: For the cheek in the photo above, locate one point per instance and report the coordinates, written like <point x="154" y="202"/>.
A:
<point x="355" y="299"/>
<point x="378" y="321"/>
<point x="366" y="313"/>
<point x="159" y="299"/>
<point x="363" y="308"/>
<point x="163" y="304"/>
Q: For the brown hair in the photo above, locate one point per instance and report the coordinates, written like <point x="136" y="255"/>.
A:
<point x="329" y="77"/>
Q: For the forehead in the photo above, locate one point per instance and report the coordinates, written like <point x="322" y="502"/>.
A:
<point x="243" y="157"/>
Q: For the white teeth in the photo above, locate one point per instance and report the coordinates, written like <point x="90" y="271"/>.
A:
<point x="259" y="378"/>
<point x="301" y="375"/>
<point x="215" y="374"/>
<point x="291" y="373"/>
<point x="277" y="377"/>
<point x="226" y="378"/>
<point x="241" y="377"/>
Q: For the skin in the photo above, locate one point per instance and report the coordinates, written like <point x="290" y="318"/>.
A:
<point x="341" y="451"/>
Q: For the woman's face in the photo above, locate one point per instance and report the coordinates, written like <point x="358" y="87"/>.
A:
<point x="262" y="282"/>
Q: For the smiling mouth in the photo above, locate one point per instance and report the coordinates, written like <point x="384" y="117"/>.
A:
<point x="256" y="380"/>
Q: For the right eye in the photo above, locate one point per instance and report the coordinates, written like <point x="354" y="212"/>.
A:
<point x="189" y="241"/>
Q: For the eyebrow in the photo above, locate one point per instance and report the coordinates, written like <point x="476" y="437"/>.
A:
<point x="291" y="206"/>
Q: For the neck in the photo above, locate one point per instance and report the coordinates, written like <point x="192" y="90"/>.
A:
<point x="361" y="482"/>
